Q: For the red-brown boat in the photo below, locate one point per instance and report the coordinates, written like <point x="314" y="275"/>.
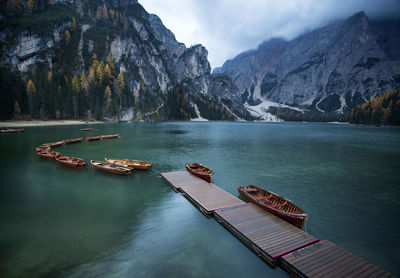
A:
<point x="135" y="164"/>
<point x="43" y="148"/>
<point x="86" y="129"/>
<point x="109" y="136"/>
<point x="55" y="144"/>
<point x="72" y="141"/>
<point x="200" y="170"/>
<point x="94" y="138"/>
<point x="10" y="130"/>
<point x="111" y="168"/>
<point x="71" y="162"/>
<point x="50" y="155"/>
<point x="275" y="204"/>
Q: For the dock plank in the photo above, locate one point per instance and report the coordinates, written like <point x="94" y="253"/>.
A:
<point x="325" y="259"/>
<point x="206" y="196"/>
<point x="270" y="234"/>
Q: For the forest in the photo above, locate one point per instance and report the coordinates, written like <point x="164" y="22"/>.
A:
<point x="383" y="109"/>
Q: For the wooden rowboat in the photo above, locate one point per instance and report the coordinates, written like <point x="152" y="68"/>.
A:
<point x="111" y="168"/>
<point x="275" y="204"/>
<point x="72" y="141"/>
<point x="134" y="164"/>
<point x="86" y="129"/>
<point x="109" y="136"/>
<point x="200" y="170"/>
<point x="50" y="155"/>
<point x="71" y="162"/>
<point x="94" y="138"/>
<point x="55" y="144"/>
<point x="43" y="148"/>
<point x="10" y="130"/>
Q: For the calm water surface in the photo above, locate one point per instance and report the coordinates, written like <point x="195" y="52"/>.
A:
<point x="61" y="222"/>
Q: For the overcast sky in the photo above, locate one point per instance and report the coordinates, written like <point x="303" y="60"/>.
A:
<point x="228" y="27"/>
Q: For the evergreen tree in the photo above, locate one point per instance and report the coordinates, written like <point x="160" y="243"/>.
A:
<point x="31" y="5"/>
<point x="67" y="37"/>
<point x="31" y="93"/>
<point x="76" y="89"/>
<point x="17" y="110"/>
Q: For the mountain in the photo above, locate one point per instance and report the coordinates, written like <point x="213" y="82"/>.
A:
<point x="101" y="59"/>
<point x="321" y="74"/>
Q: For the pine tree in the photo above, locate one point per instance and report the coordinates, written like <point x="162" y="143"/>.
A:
<point x="107" y="71"/>
<point x="50" y="76"/>
<point x="84" y="82"/>
<point x="110" y="61"/>
<point x="17" y="111"/>
<point x="112" y="13"/>
<point x="31" y="93"/>
<point x="100" y="72"/>
<point x="105" y="11"/>
<point x="98" y="13"/>
<point x="31" y="5"/>
<point x="75" y="99"/>
<point x="107" y="94"/>
<point x="92" y="75"/>
<point x="67" y="37"/>
<point x="121" y="80"/>
<point x="73" y="23"/>
<point x="75" y="84"/>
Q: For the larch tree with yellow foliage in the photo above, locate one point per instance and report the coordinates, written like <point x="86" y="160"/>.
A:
<point x="31" y="93"/>
<point x="31" y="5"/>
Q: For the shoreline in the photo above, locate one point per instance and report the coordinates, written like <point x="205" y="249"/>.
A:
<point x="46" y="123"/>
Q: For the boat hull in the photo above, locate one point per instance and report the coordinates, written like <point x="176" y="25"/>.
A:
<point x="95" y="138"/>
<point x="205" y="173"/>
<point x="55" y="144"/>
<point x="48" y="154"/>
<point x="73" y="141"/>
<point x="43" y="148"/>
<point x="71" y="162"/>
<point x="109" y="136"/>
<point x="297" y="220"/>
<point x="135" y="164"/>
<point x="12" y="130"/>
<point x="108" y="168"/>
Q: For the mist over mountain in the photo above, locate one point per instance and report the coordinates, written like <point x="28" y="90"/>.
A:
<point x="329" y="70"/>
<point x="111" y="60"/>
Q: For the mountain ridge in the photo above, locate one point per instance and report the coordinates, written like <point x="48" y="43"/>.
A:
<point x="328" y="70"/>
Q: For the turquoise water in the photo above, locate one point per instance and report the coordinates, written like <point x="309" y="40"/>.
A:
<point x="61" y="222"/>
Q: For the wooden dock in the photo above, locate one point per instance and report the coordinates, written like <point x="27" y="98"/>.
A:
<point x="326" y="259"/>
<point x="273" y="239"/>
<point x="206" y="196"/>
<point x="269" y="236"/>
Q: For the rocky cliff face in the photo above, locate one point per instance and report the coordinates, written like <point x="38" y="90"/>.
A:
<point x="328" y="70"/>
<point x="142" y="49"/>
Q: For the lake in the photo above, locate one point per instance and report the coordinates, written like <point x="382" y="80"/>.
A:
<point x="61" y="222"/>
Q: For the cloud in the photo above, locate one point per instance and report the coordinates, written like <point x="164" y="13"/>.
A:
<point x="228" y="27"/>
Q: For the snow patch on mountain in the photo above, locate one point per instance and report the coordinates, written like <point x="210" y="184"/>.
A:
<point x="261" y="110"/>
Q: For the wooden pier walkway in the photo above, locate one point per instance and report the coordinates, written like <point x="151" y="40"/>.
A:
<point x="273" y="239"/>
<point x="269" y="236"/>
<point x="326" y="259"/>
<point x="206" y="196"/>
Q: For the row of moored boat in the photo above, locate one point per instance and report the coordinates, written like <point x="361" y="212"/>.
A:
<point x="109" y="165"/>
